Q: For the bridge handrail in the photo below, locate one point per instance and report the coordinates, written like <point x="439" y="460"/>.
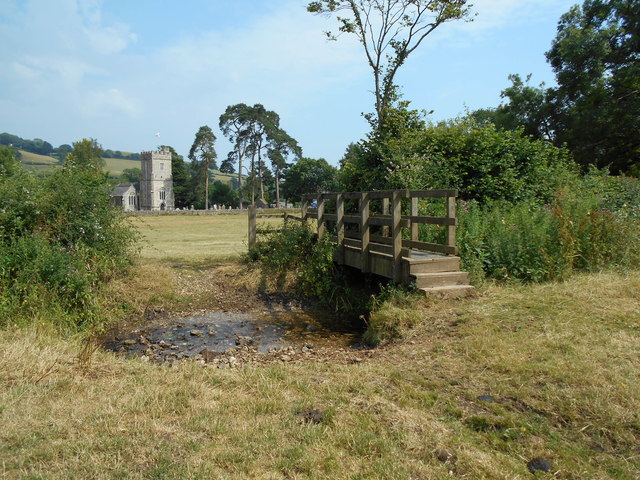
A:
<point x="391" y="220"/>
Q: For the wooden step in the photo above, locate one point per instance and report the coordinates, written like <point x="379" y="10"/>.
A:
<point x="450" y="291"/>
<point x="433" y="264"/>
<point x="441" y="279"/>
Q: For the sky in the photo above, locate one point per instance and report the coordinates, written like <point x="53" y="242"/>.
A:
<point x="122" y="71"/>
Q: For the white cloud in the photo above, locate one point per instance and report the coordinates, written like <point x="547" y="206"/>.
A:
<point x="285" y="44"/>
<point x="107" y="102"/>
<point x="57" y="72"/>
<point x="107" y="39"/>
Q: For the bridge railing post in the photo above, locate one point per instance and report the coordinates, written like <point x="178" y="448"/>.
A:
<point x="340" y="227"/>
<point x="365" y="232"/>
<point x="385" y="211"/>
<point x="396" y="235"/>
<point x="415" y="227"/>
<point x="322" y="224"/>
<point x="451" y="229"/>
<point x="304" y="205"/>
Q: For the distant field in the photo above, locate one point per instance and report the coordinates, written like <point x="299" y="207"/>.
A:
<point x="114" y="166"/>
<point x="37" y="162"/>
<point x="195" y="236"/>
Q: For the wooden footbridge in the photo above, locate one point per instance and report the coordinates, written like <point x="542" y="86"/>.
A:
<point x="372" y="234"/>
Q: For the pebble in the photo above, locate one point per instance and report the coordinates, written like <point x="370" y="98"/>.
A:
<point x="486" y="398"/>
<point x="130" y="341"/>
<point x="197" y="333"/>
<point x="285" y="358"/>
<point x="445" y="456"/>
<point x="538" y="464"/>
<point x="311" y="416"/>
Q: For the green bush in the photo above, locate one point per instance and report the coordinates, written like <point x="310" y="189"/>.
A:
<point x="295" y="250"/>
<point x="482" y="162"/>
<point x="531" y="242"/>
<point x="60" y="241"/>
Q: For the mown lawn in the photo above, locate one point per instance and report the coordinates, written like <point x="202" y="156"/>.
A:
<point x="191" y="237"/>
<point x="559" y="362"/>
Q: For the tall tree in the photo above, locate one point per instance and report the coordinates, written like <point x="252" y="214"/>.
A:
<point x="87" y="155"/>
<point x="266" y="126"/>
<point x="203" y="155"/>
<point x="389" y="31"/>
<point x="523" y="106"/>
<point x="308" y="175"/>
<point x="236" y="125"/>
<point x="182" y="192"/>
<point x="282" y="145"/>
<point x="252" y="130"/>
<point x="596" y="58"/>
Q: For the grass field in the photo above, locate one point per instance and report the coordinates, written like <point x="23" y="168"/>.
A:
<point x="37" y="162"/>
<point x="560" y="362"/>
<point x="475" y="391"/>
<point x="115" y="166"/>
<point x="195" y="236"/>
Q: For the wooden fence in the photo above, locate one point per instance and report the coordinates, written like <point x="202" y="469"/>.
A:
<point x="254" y="214"/>
<point x="381" y="251"/>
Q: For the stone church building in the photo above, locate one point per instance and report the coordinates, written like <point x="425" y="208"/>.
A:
<point x="156" y="185"/>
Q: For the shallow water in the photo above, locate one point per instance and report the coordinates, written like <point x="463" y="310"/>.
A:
<point x="188" y="337"/>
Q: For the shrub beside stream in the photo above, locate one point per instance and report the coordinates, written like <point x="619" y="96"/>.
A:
<point x="60" y="241"/>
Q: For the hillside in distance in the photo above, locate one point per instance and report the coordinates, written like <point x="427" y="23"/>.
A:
<point x="115" y="166"/>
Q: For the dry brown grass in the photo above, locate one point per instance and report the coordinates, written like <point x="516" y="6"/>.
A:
<point x="560" y="360"/>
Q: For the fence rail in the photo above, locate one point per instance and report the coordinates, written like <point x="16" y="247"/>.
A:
<point x="382" y="251"/>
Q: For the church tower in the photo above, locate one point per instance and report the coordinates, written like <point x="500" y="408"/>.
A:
<point x="156" y="181"/>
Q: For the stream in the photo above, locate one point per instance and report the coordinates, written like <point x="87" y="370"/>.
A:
<point x="227" y="339"/>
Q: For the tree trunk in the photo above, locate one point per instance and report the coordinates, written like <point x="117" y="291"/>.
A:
<point x="206" y="185"/>
<point x="260" y="172"/>
<point x="239" y="180"/>
<point x="253" y="178"/>
<point x="277" y="187"/>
